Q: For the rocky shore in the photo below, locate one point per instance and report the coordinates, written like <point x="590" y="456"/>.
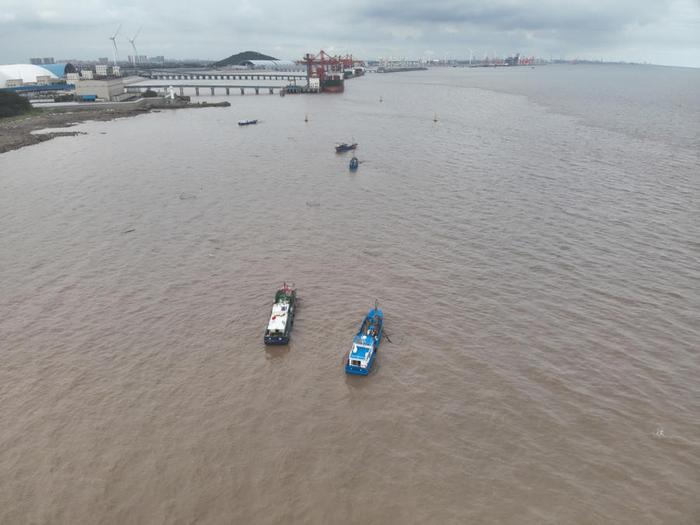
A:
<point x="18" y="132"/>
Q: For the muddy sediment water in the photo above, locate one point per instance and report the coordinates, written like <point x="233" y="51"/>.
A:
<point x="536" y="253"/>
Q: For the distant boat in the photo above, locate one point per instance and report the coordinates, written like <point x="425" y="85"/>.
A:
<point x="340" y="148"/>
<point x="282" y="317"/>
<point x="354" y="163"/>
<point x="247" y="122"/>
<point x="366" y="343"/>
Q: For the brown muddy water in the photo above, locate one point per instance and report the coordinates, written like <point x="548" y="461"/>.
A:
<point x="536" y="252"/>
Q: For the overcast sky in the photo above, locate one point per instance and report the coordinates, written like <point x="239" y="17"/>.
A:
<point x="656" y="31"/>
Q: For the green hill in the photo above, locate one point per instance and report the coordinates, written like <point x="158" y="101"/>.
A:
<point x="234" y="60"/>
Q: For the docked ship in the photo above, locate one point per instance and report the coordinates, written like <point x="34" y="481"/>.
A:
<point x="333" y="83"/>
<point x="281" y="321"/>
<point x="366" y="342"/>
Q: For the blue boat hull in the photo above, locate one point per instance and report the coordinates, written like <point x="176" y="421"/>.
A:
<point x="277" y="340"/>
<point x="374" y="320"/>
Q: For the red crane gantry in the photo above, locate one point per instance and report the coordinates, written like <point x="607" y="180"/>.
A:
<point x="322" y="65"/>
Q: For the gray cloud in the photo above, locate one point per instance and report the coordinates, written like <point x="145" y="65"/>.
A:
<point x="523" y="15"/>
<point x="653" y="30"/>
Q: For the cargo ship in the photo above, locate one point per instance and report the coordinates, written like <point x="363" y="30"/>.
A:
<point x="353" y="72"/>
<point x="400" y="69"/>
<point x="333" y="83"/>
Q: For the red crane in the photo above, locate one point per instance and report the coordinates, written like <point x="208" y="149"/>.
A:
<point x="347" y="61"/>
<point x="328" y="69"/>
<point x="322" y="65"/>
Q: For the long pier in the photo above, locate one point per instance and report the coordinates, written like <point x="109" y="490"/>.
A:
<point x="244" y="75"/>
<point x="226" y="88"/>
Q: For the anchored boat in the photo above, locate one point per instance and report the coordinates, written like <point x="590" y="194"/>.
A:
<point x="282" y="316"/>
<point x="247" y="122"/>
<point x="340" y="148"/>
<point x="366" y="343"/>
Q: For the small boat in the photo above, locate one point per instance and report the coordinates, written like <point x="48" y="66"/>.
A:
<point x="354" y="163"/>
<point x="366" y="343"/>
<point x="282" y="317"/>
<point x="340" y="148"/>
<point x="247" y="122"/>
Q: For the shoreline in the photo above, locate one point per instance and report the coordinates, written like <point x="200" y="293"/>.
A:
<point x="19" y="132"/>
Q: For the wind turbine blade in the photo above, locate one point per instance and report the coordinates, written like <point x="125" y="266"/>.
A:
<point x="116" y="51"/>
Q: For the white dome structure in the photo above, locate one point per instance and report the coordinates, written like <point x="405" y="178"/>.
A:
<point x="27" y="72"/>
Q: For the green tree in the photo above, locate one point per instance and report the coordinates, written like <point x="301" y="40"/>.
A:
<point x="12" y="104"/>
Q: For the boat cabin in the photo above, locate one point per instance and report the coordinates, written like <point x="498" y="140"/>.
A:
<point x="281" y="317"/>
<point x="361" y="353"/>
<point x="278" y="319"/>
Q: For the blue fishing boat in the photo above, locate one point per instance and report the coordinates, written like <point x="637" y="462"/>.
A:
<point x="366" y="343"/>
<point x="340" y="148"/>
<point x="247" y="122"/>
<point x="281" y="321"/>
<point x="354" y="163"/>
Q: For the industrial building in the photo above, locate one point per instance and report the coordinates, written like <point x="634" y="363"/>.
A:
<point x="111" y="89"/>
<point x="135" y="60"/>
<point x="270" y="65"/>
<point x="104" y="83"/>
<point x="40" y="61"/>
<point x="17" y="75"/>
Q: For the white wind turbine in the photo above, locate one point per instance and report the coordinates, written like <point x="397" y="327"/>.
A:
<point x="114" y="43"/>
<point x="133" y="45"/>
